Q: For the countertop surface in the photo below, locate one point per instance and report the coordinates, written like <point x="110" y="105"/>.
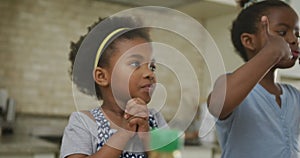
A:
<point x="26" y="144"/>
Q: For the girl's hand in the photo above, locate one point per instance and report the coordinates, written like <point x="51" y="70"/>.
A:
<point x="275" y="44"/>
<point x="137" y="114"/>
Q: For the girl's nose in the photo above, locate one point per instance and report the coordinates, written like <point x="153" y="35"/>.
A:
<point x="148" y="73"/>
<point x="293" y="40"/>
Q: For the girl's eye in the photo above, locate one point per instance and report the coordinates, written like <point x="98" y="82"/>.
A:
<point x="297" y="34"/>
<point x="281" y="33"/>
<point x="135" y="64"/>
<point x="152" y="67"/>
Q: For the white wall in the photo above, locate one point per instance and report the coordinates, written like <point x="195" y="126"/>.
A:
<point x="296" y="5"/>
<point x="219" y="28"/>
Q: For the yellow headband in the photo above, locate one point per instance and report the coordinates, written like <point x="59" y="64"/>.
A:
<point x="104" y="42"/>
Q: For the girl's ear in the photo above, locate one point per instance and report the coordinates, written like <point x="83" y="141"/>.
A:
<point x="101" y="76"/>
<point x="248" y="41"/>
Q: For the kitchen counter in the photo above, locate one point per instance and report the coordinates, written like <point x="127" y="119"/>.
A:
<point x="25" y="145"/>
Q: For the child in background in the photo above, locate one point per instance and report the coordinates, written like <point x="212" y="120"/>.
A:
<point x="113" y="63"/>
<point x="259" y="118"/>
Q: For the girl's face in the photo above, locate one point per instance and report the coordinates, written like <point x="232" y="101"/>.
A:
<point x="285" y="23"/>
<point x="132" y="70"/>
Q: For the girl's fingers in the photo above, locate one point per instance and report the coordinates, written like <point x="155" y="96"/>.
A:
<point x="140" y="101"/>
<point x="274" y="39"/>
<point x="136" y="111"/>
<point x="140" y="122"/>
<point x="135" y="118"/>
<point x="136" y="106"/>
<point x="266" y="26"/>
<point x="127" y="116"/>
<point x="131" y="101"/>
<point x="141" y="114"/>
<point x="134" y="101"/>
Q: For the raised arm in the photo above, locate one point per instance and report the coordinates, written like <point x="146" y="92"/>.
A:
<point x="230" y="90"/>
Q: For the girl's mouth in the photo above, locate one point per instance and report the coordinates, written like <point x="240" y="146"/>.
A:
<point x="295" y="53"/>
<point x="148" y="87"/>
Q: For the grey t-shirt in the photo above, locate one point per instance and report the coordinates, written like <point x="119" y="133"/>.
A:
<point x="80" y="135"/>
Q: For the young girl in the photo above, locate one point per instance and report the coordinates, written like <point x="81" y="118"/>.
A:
<point x="115" y="64"/>
<point x="257" y="117"/>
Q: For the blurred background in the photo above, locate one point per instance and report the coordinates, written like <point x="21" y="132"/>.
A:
<point x="36" y="95"/>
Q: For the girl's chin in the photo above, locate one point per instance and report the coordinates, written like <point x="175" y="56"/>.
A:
<point x="286" y="65"/>
<point x="147" y="99"/>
